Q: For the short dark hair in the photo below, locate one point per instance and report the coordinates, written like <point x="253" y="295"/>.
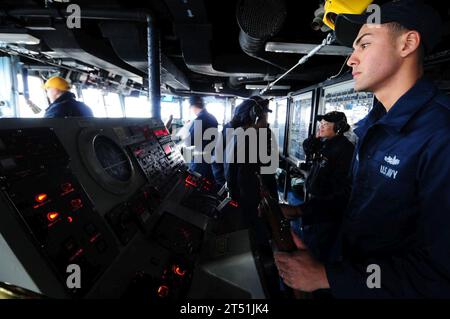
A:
<point x="398" y="29"/>
<point x="197" y="101"/>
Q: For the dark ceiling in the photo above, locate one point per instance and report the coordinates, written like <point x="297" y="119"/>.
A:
<point x="201" y="49"/>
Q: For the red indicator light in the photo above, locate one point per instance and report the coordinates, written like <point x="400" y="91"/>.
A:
<point x="167" y="149"/>
<point x="162" y="132"/>
<point x="78" y="253"/>
<point x="70" y="219"/>
<point x="138" y="152"/>
<point x="93" y="239"/>
<point x="66" y="187"/>
<point x="41" y="198"/>
<point x="190" y="181"/>
<point x="52" y="216"/>
<point x="207" y="184"/>
<point x="178" y="270"/>
<point x="234" y="203"/>
<point x="76" y="204"/>
<point x="163" y="291"/>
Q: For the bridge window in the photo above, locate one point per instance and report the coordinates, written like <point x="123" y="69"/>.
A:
<point x="102" y="104"/>
<point x="94" y="99"/>
<point x="271" y="115"/>
<point x="217" y="109"/>
<point x="170" y="108"/>
<point x="112" y="105"/>
<point x="37" y="96"/>
<point x="137" y="106"/>
<point x="187" y="114"/>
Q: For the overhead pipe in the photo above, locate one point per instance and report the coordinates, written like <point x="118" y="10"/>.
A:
<point x="90" y="14"/>
<point x="154" y="68"/>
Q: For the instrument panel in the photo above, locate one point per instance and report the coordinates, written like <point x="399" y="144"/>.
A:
<point x="113" y="197"/>
<point x="53" y="205"/>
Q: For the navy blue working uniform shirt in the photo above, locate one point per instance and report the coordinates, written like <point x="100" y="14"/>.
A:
<point x="207" y="170"/>
<point x="67" y="106"/>
<point x="399" y="212"/>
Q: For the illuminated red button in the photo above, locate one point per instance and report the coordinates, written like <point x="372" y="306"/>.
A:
<point x="163" y="291"/>
<point x="178" y="270"/>
<point x="76" y="204"/>
<point x="52" y="216"/>
<point x="41" y="198"/>
<point x="67" y="187"/>
<point x="234" y="203"/>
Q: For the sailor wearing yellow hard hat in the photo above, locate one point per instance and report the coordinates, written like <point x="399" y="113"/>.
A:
<point x="62" y="101"/>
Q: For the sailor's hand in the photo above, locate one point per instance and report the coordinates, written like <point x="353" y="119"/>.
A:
<point x="300" y="270"/>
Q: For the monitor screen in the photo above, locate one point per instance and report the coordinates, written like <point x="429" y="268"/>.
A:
<point x="299" y="121"/>
<point x="277" y="120"/>
<point x="342" y="97"/>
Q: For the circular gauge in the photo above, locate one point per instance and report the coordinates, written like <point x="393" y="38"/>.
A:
<point x="112" y="158"/>
<point x="106" y="161"/>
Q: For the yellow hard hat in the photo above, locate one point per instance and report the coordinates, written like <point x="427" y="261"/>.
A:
<point x="335" y="7"/>
<point x="57" y="82"/>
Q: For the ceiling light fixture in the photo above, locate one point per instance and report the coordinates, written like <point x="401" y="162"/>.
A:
<point x="18" y="38"/>
<point x="260" y="87"/>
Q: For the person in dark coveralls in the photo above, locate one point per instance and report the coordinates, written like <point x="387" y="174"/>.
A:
<point x="243" y="184"/>
<point x="203" y="121"/>
<point x="328" y="185"/>
<point x="241" y="176"/>
<point x="395" y="240"/>
<point x="62" y="101"/>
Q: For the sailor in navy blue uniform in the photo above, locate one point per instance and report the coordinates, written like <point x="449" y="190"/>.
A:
<point x="395" y="240"/>
<point x="63" y="103"/>
<point x="203" y="121"/>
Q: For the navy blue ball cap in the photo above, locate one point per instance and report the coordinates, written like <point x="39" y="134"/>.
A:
<point x="332" y="117"/>
<point x="411" y="14"/>
<point x="245" y="107"/>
